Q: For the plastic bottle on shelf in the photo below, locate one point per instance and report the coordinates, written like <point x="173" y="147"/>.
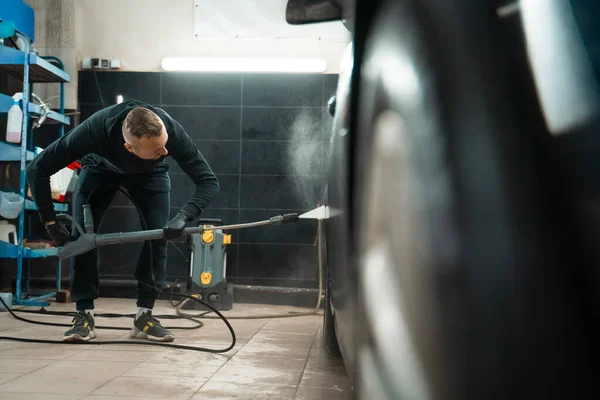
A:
<point x="8" y="299"/>
<point x="15" y="121"/>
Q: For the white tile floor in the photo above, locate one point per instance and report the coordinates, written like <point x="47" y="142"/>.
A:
<point x="272" y="359"/>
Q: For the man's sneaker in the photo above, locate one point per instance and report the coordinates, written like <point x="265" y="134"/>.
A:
<point x="82" y="329"/>
<point x="148" y="327"/>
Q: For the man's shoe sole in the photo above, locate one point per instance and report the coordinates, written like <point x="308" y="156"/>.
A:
<point x="137" y="334"/>
<point x="78" y="338"/>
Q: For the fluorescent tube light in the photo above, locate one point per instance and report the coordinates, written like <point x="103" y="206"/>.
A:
<point x="210" y="64"/>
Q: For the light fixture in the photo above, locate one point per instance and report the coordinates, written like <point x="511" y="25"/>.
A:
<point x="211" y="64"/>
<point x="119" y="99"/>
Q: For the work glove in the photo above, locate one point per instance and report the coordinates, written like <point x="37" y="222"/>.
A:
<point x="175" y="227"/>
<point x="59" y="233"/>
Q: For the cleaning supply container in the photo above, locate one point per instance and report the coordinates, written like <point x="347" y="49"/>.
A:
<point x="14" y="124"/>
<point x="8" y="232"/>
<point x="10" y="205"/>
<point x="8" y="299"/>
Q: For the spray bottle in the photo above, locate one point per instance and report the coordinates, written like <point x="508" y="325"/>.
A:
<point x="15" y="121"/>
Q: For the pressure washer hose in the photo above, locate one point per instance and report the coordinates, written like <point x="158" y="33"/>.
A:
<point x="129" y="342"/>
<point x="319" y="243"/>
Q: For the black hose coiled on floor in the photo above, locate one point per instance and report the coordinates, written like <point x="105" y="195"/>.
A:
<point x="142" y="343"/>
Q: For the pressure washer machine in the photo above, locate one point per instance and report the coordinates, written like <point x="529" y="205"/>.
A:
<point x="208" y="267"/>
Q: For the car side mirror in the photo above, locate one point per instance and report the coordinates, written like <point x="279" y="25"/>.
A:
<point x="331" y="105"/>
<point x="299" y="12"/>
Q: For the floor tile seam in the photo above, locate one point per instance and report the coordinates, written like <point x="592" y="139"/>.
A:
<point x="124" y="372"/>
<point x="33" y="357"/>
<point x="130" y="396"/>
<point x="73" y="355"/>
<point x="265" y="384"/>
<point x="101" y="386"/>
<point x="157" y="378"/>
<point x="217" y="371"/>
<point x="46" y="393"/>
<point x="38" y="368"/>
<point x="11" y="379"/>
<point x="306" y="363"/>
<point x="74" y="376"/>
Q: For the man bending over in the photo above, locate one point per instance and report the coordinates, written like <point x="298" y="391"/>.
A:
<point x="124" y="145"/>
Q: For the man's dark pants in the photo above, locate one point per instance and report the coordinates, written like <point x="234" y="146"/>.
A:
<point x="151" y="191"/>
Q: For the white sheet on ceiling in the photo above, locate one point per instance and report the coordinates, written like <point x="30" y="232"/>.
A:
<point x="258" y="19"/>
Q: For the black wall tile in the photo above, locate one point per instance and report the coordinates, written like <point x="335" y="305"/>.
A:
<point x="281" y="123"/>
<point x="229" y="194"/>
<point x="282" y="158"/>
<point x="281" y="192"/>
<point x="302" y="232"/>
<point x="228" y="216"/>
<point x="231" y="268"/>
<point x="182" y="189"/>
<point x="283" y="90"/>
<point x="45" y="135"/>
<point x="87" y="110"/>
<point x="286" y="282"/>
<point x="330" y="82"/>
<point x="208" y="122"/>
<point x="223" y="157"/>
<point x="201" y="89"/>
<point x="87" y="89"/>
<point x="142" y="86"/>
<point x="277" y="261"/>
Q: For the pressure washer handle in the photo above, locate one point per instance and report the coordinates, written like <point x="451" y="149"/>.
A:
<point x="105" y="239"/>
<point x="75" y="224"/>
<point x="90" y="240"/>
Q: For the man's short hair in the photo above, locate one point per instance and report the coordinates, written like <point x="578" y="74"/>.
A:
<point x="142" y="122"/>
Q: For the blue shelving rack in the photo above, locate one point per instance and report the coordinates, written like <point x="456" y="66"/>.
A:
<point x="30" y="68"/>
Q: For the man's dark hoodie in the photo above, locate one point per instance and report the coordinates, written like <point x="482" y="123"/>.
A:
<point x="98" y="141"/>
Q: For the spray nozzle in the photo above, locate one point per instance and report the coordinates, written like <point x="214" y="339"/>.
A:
<point x="284" y="219"/>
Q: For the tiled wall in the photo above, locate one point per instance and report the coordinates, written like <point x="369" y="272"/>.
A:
<point x="266" y="138"/>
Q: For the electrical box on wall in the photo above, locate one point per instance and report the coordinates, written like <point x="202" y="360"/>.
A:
<point x="100" y="63"/>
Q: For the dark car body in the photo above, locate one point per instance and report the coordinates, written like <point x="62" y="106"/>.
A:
<point x="462" y="244"/>
<point x="339" y="284"/>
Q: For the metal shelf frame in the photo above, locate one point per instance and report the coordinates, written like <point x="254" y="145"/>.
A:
<point x="30" y="68"/>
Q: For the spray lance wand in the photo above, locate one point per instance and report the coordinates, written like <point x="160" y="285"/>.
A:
<point x="88" y="240"/>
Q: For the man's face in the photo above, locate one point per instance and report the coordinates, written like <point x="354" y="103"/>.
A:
<point x="146" y="148"/>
